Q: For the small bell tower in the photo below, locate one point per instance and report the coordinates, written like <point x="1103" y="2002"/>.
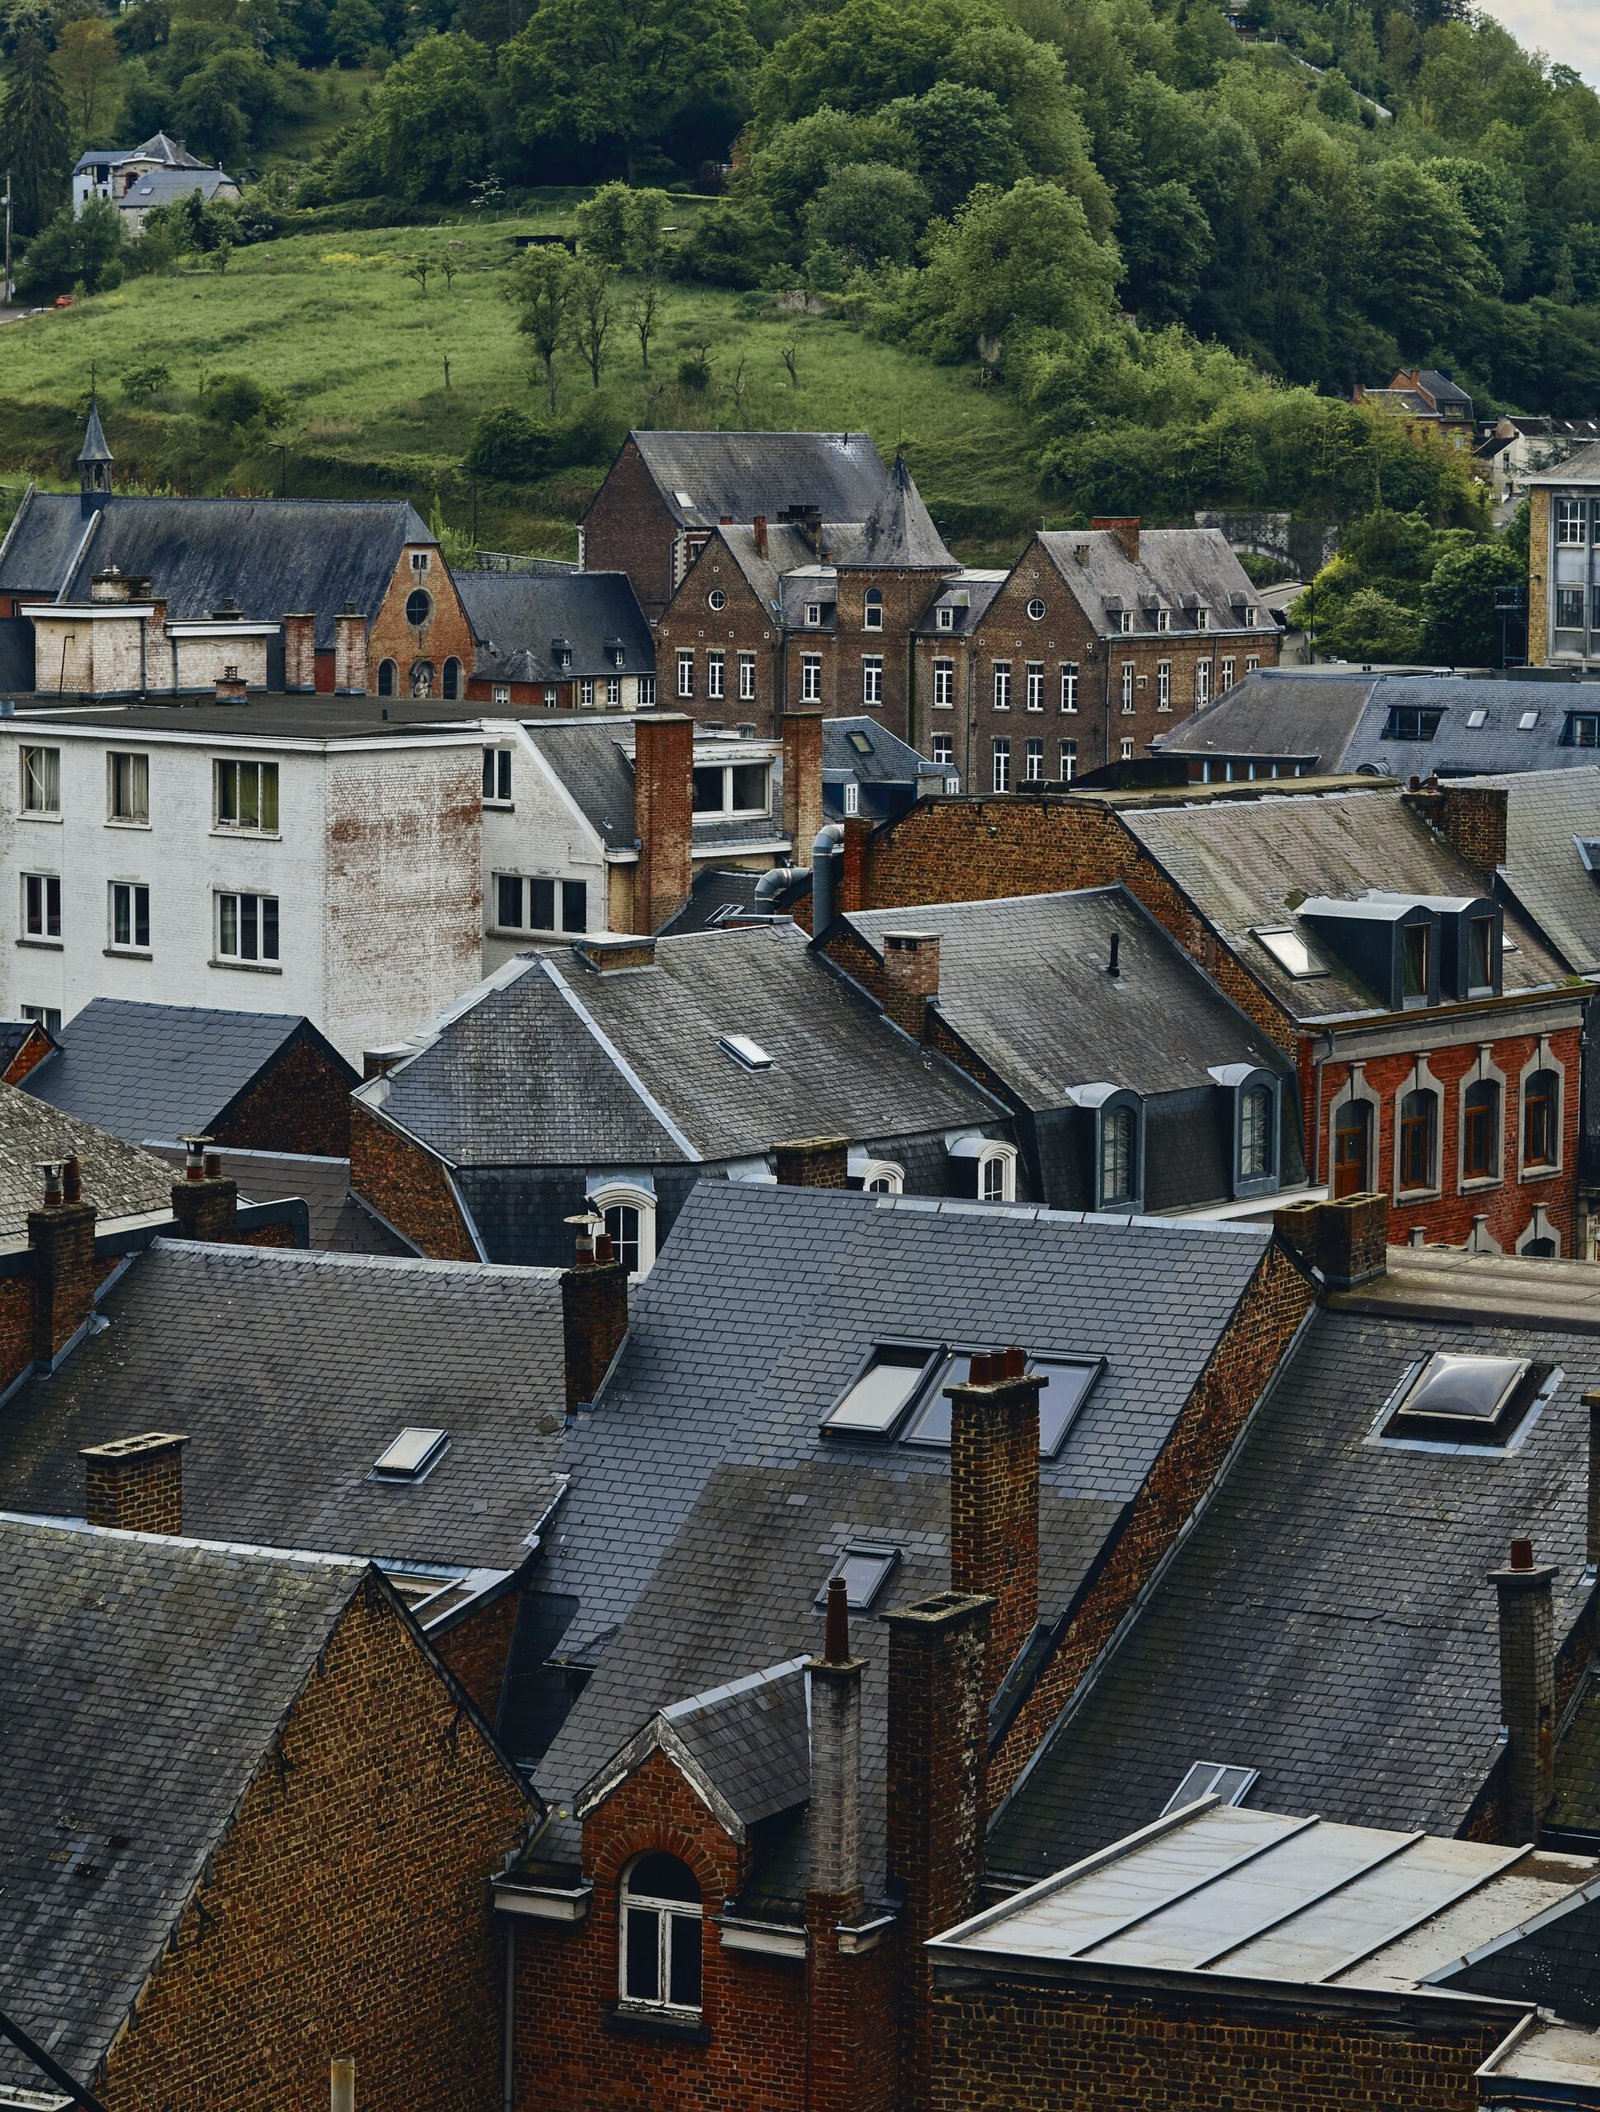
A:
<point x="94" y="463"/>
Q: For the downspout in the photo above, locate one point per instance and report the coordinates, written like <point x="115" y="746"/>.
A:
<point x="773" y="883"/>
<point x="508" y="2027"/>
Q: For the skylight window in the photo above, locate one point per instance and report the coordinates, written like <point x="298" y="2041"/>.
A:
<point x="411" y="1455"/>
<point x="1476" y="718"/>
<point x="1291" y="952"/>
<point x="879" y="1395"/>
<point x="1528" y="721"/>
<point x="683" y="498"/>
<point x="859" y="741"/>
<point x="1466" y="1400"/>
<point x="1212" y="1778"/>
<point x="744" y="1051"/>
<point x="865" y="1571"/>
<point x="1067" y="1383"/>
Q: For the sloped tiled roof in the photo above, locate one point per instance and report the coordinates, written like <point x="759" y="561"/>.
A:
<point x="704" y="476"/>
<point x="118" y="1178"/>
<point x="1547" y="812"/>
<point x="517" y="616"/>
<point x="899" y="535"/>
<point x="145" y="1680"/>
<point x="163" y="186"/>
<point x="752" y="1737"/>
<point x="1173" y="564"/>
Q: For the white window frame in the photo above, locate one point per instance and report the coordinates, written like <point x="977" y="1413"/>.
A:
<point x="132" y="889"/>
<point x="813" y="615"/>
<point x="883" y="1177"/>
<point x="669" y="1913"/>
<point x="945" y="742"/>
<point x="138" y="816"/>
<point x="1163" y="619"/>
<point x="40" y="934"/>
<point x="1069" y="685"/>
<point x="1036" y="610"/>
<point x="266" y="773"/>
<point x="1069" y="761"/>
<point x="728" y="811"/>
<point x="811" y="678"/>
<point x="1001" y="1160"/>
<point x="41" y="773"/>
<point x="872" y="611"/>
<point x="872" y="678"/>
<point x="501" y="693"/>
<point x="1127" y="685"/>
<point x="1002" y="685"/>
<point x="1225" y="676"/>
<point x="1163" y="685"/>
<point x="1033" y="685"/>
<point x="685" y="672"/>
<point x="1125" y="750"/>
<point x="747" y="678"/>
<point x="613" y="689"/>
<point x="944" y="619"/>
<point x="1202" y="683"/>
<point x="1202" y="619"/>
<point x="1125" y="623"/>
<point x="1251" y="662"/>
<point x="716" y="676"/>
<point x="1033" y="752"/>
<point x="586" y="692"/>
<point x="647" y="691"/>
<point x="944" y="685"/>
<point x="1000" y="764"/>
<point x="1570" y="514"/>
<point x="628" y="1195"/>
<point x="239" y="896"/>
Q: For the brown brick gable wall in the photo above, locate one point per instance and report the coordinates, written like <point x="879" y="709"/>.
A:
<point x="446" y="635"/>
<point x="745" y="624"/>
<point x="300" y="1105"/>
<point x="347" y="1908"/>
<point x="629" y="528"/>
<point x="476" y="1649"/>
<point x="408" y="1187"/>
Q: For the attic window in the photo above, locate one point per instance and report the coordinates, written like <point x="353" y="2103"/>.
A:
<point x="859" y="741"/>
<point x="683" y="498"/>
<point x="411" y="1455"/>
<point x="1291" y="952"/>
<point x="1466" y="1400"/>
<point x="1528" y="721"/>
<point x="944" y="619"/>
<point x="879" y="1394"/>
<point x="1212" y="1778"/>
<point x="1589" y="856"/>
<point x="865" y="1571"/>
<point x="1411" y="722"/>
<point x="1067" y="1385"/>
<point x="745" y="1052"/>
<point x="1582" y="730"/>
<point x="1476" y="718"/>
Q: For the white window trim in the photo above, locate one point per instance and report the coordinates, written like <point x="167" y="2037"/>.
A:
<point x="1121" y="1102"/>
<point x="685" y="673"/>
<point x="1484" y="1070"/>
<point x="885" y="1170"/>
<point x="1069" y="686"/>
<point x="669" y="1911"/>
<point x="268" y="963"/>
<point x="1004" y="1156"/>
<point x="1420" y="1079"/>
<point x="1355" y="1087"/>
<point x="131" y="946"/>
<point x="26" y="812"/>
<point x="610" y="1195"/>
<point x="1544" y="1058"/>
<point x="811" y="678"/>
<point x="1128" y="672"/>
<point x="944" y="685"/>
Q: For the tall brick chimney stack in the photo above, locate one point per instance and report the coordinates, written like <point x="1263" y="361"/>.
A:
<point x="663" y="816"/>
<point x="994" y="1500"/>
<point x="205" y="1204"/>
<point x="812" y="1162"/>
<point x="910" y="978"/>
<point x="835" y="1679"/>
<point x="1470" y="818"/>
<point x="802" y="781"/>
<point x="758" y="530"/>
<point x="135" y="1483"/>
<point x="65" y="1276"/>
<point x="1125" y="527"/>
<point x="300" y="651"/>
<point x="938" y="1793"/>
<point x="1527" y="1690"/>
<point x="594" y="1313"/>
<point x="350" y="651"/>
<point x="1346" y="1241"/>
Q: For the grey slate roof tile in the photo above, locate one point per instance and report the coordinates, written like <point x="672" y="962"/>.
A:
<point x="1546" y="811"/>
<point x="118" y="1178"/>
<point x="741" y="475"/>
<point x="516" y="616"/>
<point x="1173" y="563"/>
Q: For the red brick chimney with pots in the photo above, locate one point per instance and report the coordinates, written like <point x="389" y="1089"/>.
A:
<point x="1470" y="818"/>
<point x="1347" y="1240"/>
<point x="1524" y="1590"/>
<point x="663" y="817"/>
<point x="994" y="1500"/>
<point x="299" y="652"/>
<point x="205" y="1204"/>
<point x="350" y="651"/>
<point x="812" y="1162"/>
<point x="65" y="1271"/>
<point x="135" y="1483"/>
<point x="910" y="978"/>
<point x="1125" y="527"/>
<point x="802" y="781"/>
<point x="594" y="1314"/>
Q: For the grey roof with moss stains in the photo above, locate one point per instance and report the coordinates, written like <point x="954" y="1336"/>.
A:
<point x="516" y="618"/>
<point x="1176" y="566"/>
<point x="118" y="1178"/>
<point x="1548" y="812"/>
<point x="706" y="476"/>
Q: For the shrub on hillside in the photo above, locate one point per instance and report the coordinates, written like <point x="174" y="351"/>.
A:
<point x="68" y="253"/>
<point x="240" y="403"/>
<point x="508" y="446"/>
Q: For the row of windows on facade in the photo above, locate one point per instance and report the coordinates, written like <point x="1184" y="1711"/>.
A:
<point x="245" y="793"/>
<point x="718" y="789"/>
<point x="244" y="925"/>
<point x="1571" y="603"/>
<point x="1418" y="1136"/>
<point x="1034" y="680"/>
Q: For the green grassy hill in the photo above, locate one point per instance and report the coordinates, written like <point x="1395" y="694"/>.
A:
<point x="360" y="352"/>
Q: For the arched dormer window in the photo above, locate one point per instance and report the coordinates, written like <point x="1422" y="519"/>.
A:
<point x="452" y="678"/>
<point x="660" y="1930"/>
<point x="883" y="1177"/>
<point x="872" y="611"/>
<point x="997" y="1174"/>
<point x="1117" y="1169"/>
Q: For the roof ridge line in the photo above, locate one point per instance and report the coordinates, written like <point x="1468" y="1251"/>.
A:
<point x="624" y="1069"/>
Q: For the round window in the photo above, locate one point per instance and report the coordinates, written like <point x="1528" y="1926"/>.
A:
<point x="1036" y="609"/>
<point x="716" y="599"/>
<point x="419" y="607"/>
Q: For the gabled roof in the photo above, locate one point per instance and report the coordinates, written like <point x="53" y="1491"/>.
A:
<point x="147" y="1679"/>
<point x="704" y="476"/>
<point x="162" y="186"/>
<point x="1548" y="814"/>
<point x="94" y="448"/>
<point x="589" y="761"/>
<point x="170" y="151"/>
<point x="118" y="1178"/>
<point x="899" y="535"/>
<point x="290" y="1373"/>
<point x="1328" y="1618"/>
<point x="517" y="616"/>
<point x="1278" y="713"/>
<point x="1175" y="565"/>
<point x="1025" y="983"/>
<point x="968" y="594"/>
<point x="1580" y="467"/>
<point x="155" y="1073"/>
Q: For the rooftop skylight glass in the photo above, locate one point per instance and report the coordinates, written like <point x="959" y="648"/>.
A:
<point x="1465" y="1400"/>
<point x="1066" y="1387"/>
<point x="1291" y="952"/>
<point x="1211" y="1778"/>
<point x="874" y="1401"/>
<point x="865" y="1571"/>
<point x="745" y="1051"/>
<point x="411" y="1455"/>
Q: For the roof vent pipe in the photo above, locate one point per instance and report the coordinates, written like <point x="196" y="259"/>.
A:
<point x="772" y="884"/>
<point x="827" y="855"/>
<point x="1112" y="966"/>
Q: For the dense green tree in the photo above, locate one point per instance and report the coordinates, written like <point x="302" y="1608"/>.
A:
<point x="425" y="134"/>
<point x="869" y="213"/>
<point x="961" y="137"/>
<point x="1010" y="259"/>
<point x="1433" y="263"/>
<point x="541" y="290"/>
<point x="1461" y="624"/>
<point x="68" y="253"/>
<point x="625" y="227"/>
<point x="35" y="126"/>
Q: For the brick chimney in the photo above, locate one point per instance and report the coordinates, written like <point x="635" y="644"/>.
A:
<point x="1347" y="1241"/>
<point x="910" y="978"/>
<point x="300" y="651"/>
<point x="758" y="529"/>
<point x="835" y="1679"/>
<point x="65" y="1271"/>
<point x="378" y="1063"/>
<point x="663" y="816"/>
<point x="205" y="1205"/>
<point x="231" y="689"/>
<point x="812" y="1162"/>
<point x="1125" y="527"/>
<point x="1470" y="818"/>
<point x="802" y="781"/>
<point x="938" y="1797"/>
<point x="852" y="887"/>
<point x="594" y="1314"/>
<point x="1527" y="1691"/>
<point x="994" y="1500"/>
<point x="350" y="652"/>
<point x="135" y="1483"/>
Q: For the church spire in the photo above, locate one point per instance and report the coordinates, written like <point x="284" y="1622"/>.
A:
<point x="94" y="461"/>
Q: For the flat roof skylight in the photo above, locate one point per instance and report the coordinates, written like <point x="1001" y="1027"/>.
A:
<point x="1212" y="1778"/>
<point x="411" y="1455"/>
<point x="865" y="1569"/>
<point x="1290" y="951"/>
<point x="745" y="1051"/>
<point x="876" y="1398"/>
<point x="1465" y="1400"/>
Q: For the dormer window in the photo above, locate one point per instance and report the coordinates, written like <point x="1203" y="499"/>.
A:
<point x="1125" y="621"/>
<point x="616" y="652"/>
<point x="1202" y="619"/>
<point x="1118" y="1155"/>
<point x="1411" y="722"/>
<point x="1416" y="963"/>
<point x="1582" y="730"/>
<point x="1163" y="619"/>
<point x="872" y="611"/>
<point x="944" y="619"/>
<point x="561" y="652"/>
<point x="813" y="614"/>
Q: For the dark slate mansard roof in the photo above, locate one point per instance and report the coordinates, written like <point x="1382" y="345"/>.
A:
<point x="1549" y="814"/>
<point x="517" y="616"/>
<point x="741" y="475"/>
<point x="1174" y="562"/>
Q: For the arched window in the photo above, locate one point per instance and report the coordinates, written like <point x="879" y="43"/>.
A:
<point x="659" y="1966"/>
<point x="452" y="679"/>
<point x="630" y="1215"/>
<point x="388" y="678"/>
<point x="1480" y="1131"/>
<point x="422" y="678"/>
<point x="872" y="612"/>
<point x="419" y="607"/>
<point x="1256" y="1139"/>
<point x="1352" y="1149"/>
<point x="1541" y="1119"/>
<point x="883" y="1177"/>
<point x="1419" y="1129"/>
<point x="997" y="1174"/>
<point x="1119" y="1157"/>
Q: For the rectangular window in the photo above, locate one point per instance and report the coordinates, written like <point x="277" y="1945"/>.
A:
<point x="813" y="613"/>
<point x="1225" y="679"/>
<point x="508" y="909"/>
<point x="1069" y="685"/>
<point x="41" y="905"/>
<point x="1571" y="521"/>
<point x="541" y="905"/>
<point x="552" y="696"/>
<point x="647" y="691"/>
<point x="47" y="1016"/>
<point x="1202" y="619"/>
<point x="1569" y="608"/>
<point x="1480" y="953"/>
<point x="944" y="619"/>
<point x="574" y="905"/>
<point x="944" y="748"/>
<point x="811" y="678"/>
<point x="1417" y="1112"/>
<point x="730" y="788"/>
<point x="1163" y="685"/>
<point x="1034" y="685"/>
<point x="247" y="796"/>
<point x="1416" y="960"/>
<point x="130" y="916"/>
<point x="501" y="693"/>
<point x="872" y="678"/>
<point x="41" y="780"/>
<point x="1125" y="622"/>
<point x="1163" y="619"/>
<point x="1002" y="766"/>
<point x="944" y="685"/>
<point x="1002" y="685"/>
<point x="1125" y="751"/>
<point x="685" y="674"/>
<point x="1202" y="681"/>
<point x="613" y="689"/>
<point x="1251" y="662"/>
<point x="1479" y="1134"/>
<point x="872" y="613"/>
<point x="128" y="787"/>
<point x="1127" y="685"/>
<point x="1541" y="1127"/>
<point x="247" y="927"/>
<point x="716" y="675"/>
<point x="1069" y="761"/>
<point x="586" y="692"/>
<point x="747" y="677"/>
<point x="1033" y="762"/>
<point x="496" y="776"/>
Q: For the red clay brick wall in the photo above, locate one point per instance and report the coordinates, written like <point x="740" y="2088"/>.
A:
<point x="1009" y="2046"/>
<point x="66" y="1273"/>
<point x="628" y="529"/>
<point x="906" y="595"/>
<point x="205" y="1209"/>
<point x="1471" y="818"/>
<point x="446" y="635"/>
<point x="137" y="1492"/>
<point x="301" y="1105"/>
<point x="1274" y="1303"/>
<point x="476" y="1650"/>
<point x="346" y="1911"/>
<point x="408" y="1186"/>
<point x="663" y="817"/>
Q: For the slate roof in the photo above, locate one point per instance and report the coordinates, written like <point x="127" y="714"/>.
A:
<point x="118" y="1178"/>
<point x="290" y="1373"/>
<point x="969" y="594"/>
<point x="162" y="186"/>
<point x="1328" y="1619"/>
<point x="1278" y="712"/>
<point x="338" y="1221"/>
<point x="787" y="549"/>
<point x="516" y="616"/>
<point x="145" y="1681"/>
<point x="753" y="1738"/>
<point x="271" y="556"/>
<point x="591" y="763"/>
<point x="94" y="448"/>
<point x="1547" y="812"/>
<point x="1025" y="984"/>
<point x="704" y="476"/>
<point x="269" y="715"/>
<point x="1580" y="467"/>
<point x="1553" y="1960"/>
<point x="536" y="1071"/>
<point x="898" y="535"/>
<point x="866" y="750"/>
<point x="155" y="1073"/>
<point x="1174" y="563"/>
<point x="1242" y="861"/>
